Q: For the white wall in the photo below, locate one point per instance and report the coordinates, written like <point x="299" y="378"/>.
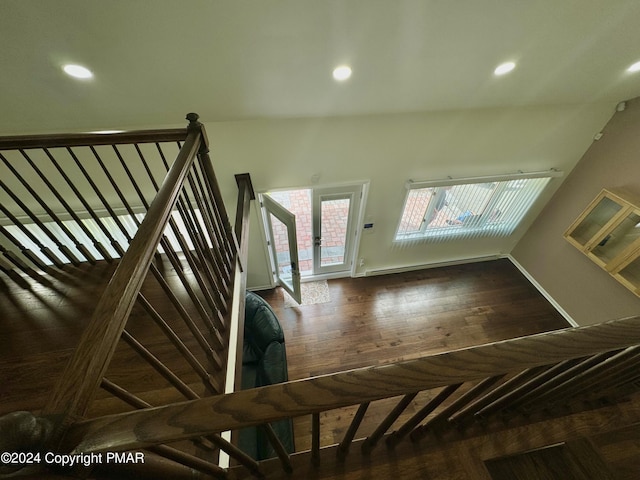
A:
<point x="388" y="150"/>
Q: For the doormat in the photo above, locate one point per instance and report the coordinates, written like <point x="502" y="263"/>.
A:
<point x="312" y="293"/>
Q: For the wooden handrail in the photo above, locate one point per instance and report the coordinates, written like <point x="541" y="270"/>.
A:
<point x="275" y="402"/>
<point x="91" y="139"/>
<point x="83" y="374"/>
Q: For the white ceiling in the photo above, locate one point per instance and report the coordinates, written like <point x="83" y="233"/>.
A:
<point x="155" y="60"/>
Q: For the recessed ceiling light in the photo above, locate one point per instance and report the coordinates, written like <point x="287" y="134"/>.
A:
<point x="504" y="68"/>
<point x="634" y="68"/>
<point x="342" y="72"/>
<point x="78" y="71"/>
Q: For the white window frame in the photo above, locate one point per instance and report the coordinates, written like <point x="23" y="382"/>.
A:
<point x="483" y="224"/>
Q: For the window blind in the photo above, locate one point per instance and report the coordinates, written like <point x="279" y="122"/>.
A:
<point x="468" y="208"/>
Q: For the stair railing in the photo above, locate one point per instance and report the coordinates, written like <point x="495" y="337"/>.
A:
<point x="187" y="219"/>
<point x="490" y="373"/>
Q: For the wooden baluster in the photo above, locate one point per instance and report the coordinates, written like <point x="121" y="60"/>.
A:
<point x="537" y="395"/>
<point x="45" y="250"/>
<point x="159" y="367"/>
<point x="221" y="266"/>
<point x="6" y="267"/>
<point x="343" y="448"/>
<point x="189" y="460"/>
<point x="196" y="253"/>
<point x="372" y="439"/>
<point x="211" y="183"/>
<point x="508" y="399"/>
<point x="209" y="220"/>
<point x="216" y="319"/>
<point x="279" y="401"/>
<point x="103" y="251"/>
<point x="115" y="186"/>
<point x="466" y="414"/>
<point x="23" y="267"/>
<point x="239" y="455"/>
<point x="24" y="250"/>
<point x="218" y="341"/>
<point x="89" y="362"/>
<point x="53" y="237"/>
<point x="99" y="194"/>
<point x="209" y="381"/>
<point x="601" y="367"/>
<point x="619" y="378"/>
<point x="66" y="251"/>
<point x="136" y="187"/>
<point x="315" y="439"/>
<point x="198" y="236"/>
<point x="220" y="271"/>
<point x="195" y="331"/>
<point x="398" y="435"/>
<point x="284" y="457"/>
<point x="210" y="442"/>
<point x="204" y="315"/>
<point x="130" y="176"/>
<point x="443" y="417"/>
<point x="79" y="245"/>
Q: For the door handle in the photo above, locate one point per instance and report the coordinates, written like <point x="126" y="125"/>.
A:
<point x="317" y="241"/>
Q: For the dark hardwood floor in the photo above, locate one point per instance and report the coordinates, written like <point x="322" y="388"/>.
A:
<point x="42" y="324"/>
<point x="369" y="321"/>
<point x="383" y="319"/>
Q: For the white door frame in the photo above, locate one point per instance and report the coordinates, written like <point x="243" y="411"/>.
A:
<point x="356" y="222"/>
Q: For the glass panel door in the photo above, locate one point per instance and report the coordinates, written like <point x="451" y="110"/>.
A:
<point x="284" y="249"/>
<point x="333" y="212"/>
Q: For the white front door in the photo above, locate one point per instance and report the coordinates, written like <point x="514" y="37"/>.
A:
<point x="335" y="212"/>
<point x="281" y="225"/>
<point x="326" y="220"/>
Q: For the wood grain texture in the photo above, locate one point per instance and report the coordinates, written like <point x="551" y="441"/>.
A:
<point x="575" y="460"/>
<point x="275" y="402"/>
<point x="387" y="318"/>
<point x="461" y="458"/>
<point x="88" y="139"/>
<point x="87" y="366"/>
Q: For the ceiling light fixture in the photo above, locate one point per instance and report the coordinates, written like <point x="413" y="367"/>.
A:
<point x="78" y="71"/>
<point x="634" y="68"/>
<point x="504" y="68"/>
<point x="342" y="73"/>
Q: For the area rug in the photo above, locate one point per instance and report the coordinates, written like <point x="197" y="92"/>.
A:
<point x="312" y="293"/>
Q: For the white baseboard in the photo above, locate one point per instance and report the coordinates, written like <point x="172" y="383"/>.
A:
<point x="260" y="287"/>
<point x="544" y="293"/>
<point x="410" y="268"/>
